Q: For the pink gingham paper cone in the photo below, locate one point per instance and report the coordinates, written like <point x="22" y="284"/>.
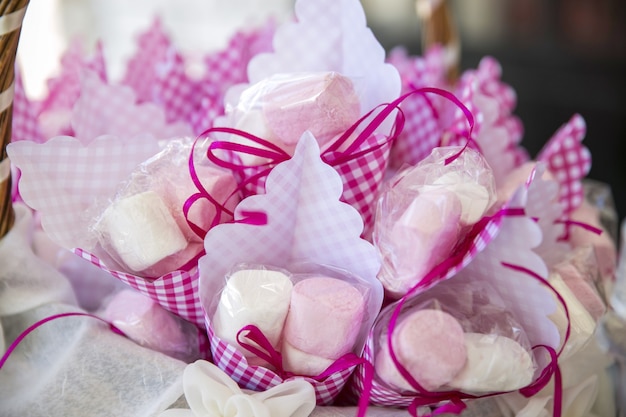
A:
<point x="422" y="128"/>
<point x="568" y="160"/>
<point x="25" y="125"/>
<point x="68" y="180"/>
<point x="63" y="90"/>
<point x="141" y="68"/>
<point x="526" y="297"/>
<point x="305" y="221"/>
<point x="199" y="100"/>
<point x="498" y="132"/>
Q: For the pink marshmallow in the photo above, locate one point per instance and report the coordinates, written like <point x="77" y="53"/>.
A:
<point x="147" y="323"/>
<point x="325" y="317"/>
<point x="302" y="363"/>
<point x="582" y="289"/>
<point x="430" y="344"/>
<point x="422" y="237"/>
<point x="324" y="104"/>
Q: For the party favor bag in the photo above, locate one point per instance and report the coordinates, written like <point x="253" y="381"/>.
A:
<point x="299" y="219"/>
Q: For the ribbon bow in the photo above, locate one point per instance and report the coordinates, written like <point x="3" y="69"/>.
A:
<point x="212" y="393"/>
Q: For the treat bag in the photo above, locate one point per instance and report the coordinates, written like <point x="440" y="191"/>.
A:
<point x="426" y="210"/>
<point x="76" y="366"/>
<point x="299" y="219"/>
<point x="456" y="336"/>
<point x="505" y="261"/>
<point x="329" y="38"/>
<point x="27" y="281"/>
<point x="87" y="171"/>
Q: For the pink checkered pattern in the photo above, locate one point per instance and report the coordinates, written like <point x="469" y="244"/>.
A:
<point x="174" y="90"/>
<point x="362" y="176"/>
<point x="25" y="125"/>
<point x="199" y="101"/>
<point x="422" y="129"/>
<point x="176" y="291"/>
<point x="569" y="161"/>
<point x="230" y="360"/>
<point x="64" y="90"/>
<point x="152" y="47"/>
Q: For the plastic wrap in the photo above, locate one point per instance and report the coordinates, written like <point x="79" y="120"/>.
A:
<point x="425" y="212"/>
<point x="312" y="314"/>
<point x="459" y="336"/>
<point x="144" y="229"/>
<point x="282" y="107"/>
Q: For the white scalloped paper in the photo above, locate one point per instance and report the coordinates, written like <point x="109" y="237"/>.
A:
<point x="104" y="109"/>
<point x="305" y="222"/>
<point x="529" y="300"/>
<point x="64" y="180"/>
<point x="543" y="205"/>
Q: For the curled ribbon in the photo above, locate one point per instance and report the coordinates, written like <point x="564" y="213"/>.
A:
<point x="210" y="392"/>
<point x="41" y="322"/>
<point x="266" y="351"/>
<point x="334" y="155"/>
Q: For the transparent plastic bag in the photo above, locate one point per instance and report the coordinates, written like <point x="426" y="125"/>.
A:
<point x="144" y="229"/>
<point x="426" y="210"/>
<point x="457" y="336"/>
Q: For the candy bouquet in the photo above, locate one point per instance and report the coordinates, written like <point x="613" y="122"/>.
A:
<point x="310" y="228"/>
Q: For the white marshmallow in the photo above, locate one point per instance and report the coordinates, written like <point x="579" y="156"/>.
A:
<point x="494" y="363"/>
<point x="141" y="230"/>
<point x="475" y="198"/>
<point x="256" y="297"/>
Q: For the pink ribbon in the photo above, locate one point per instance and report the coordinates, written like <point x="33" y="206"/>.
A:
<point x="569" y="222"/>
<point x="39" y="323"/>
<point x="268" y="353"/>
<point x="455" y="399"/>
<point x="333" y="155"/>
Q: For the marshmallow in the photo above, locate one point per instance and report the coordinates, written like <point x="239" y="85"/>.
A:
<point x="258" y="297"/>
<point x="494" y="363"/>
<point x="147" y="323"/>
<point x="324" y="104"/>
<point x="325" y="317"/>
<point x="140" y="230"/>
<point x="582" y="289"/>
<point x="430" y="344"/>
<point x="281" y="108"/>
<point x="423" y="236"/>
<point x="606" y="252"/>
<point x="475" y="198"/>
<point x="302" y="363"/>
<point x="582" y="325"/>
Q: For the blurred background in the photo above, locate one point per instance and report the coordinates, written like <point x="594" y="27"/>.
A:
<point x="561" y="56"/>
